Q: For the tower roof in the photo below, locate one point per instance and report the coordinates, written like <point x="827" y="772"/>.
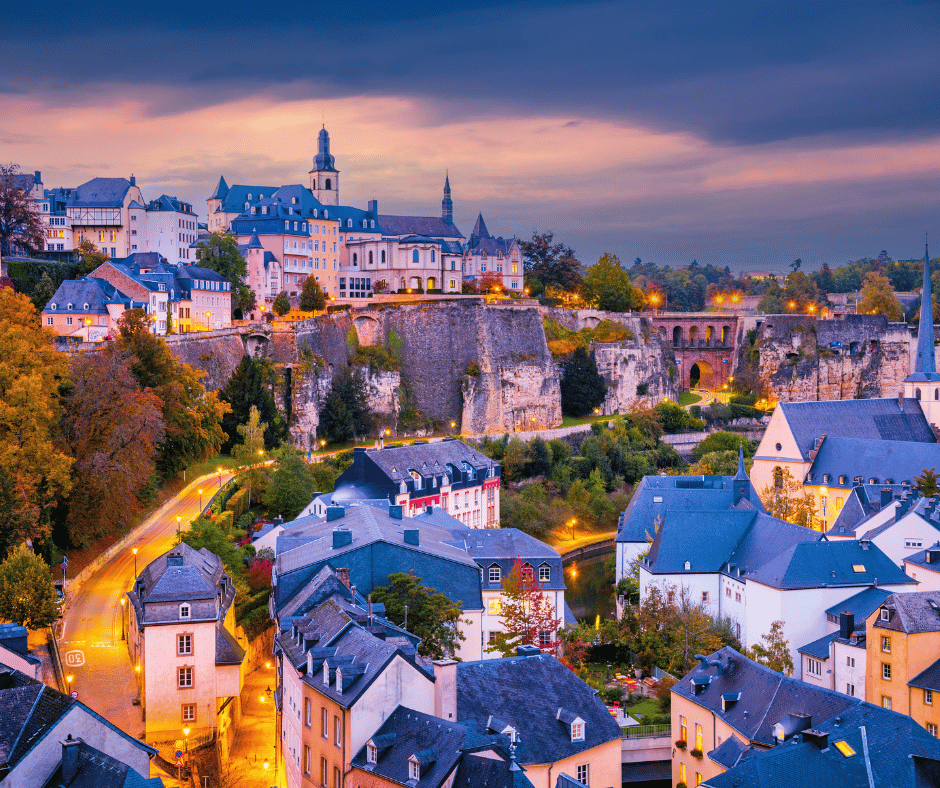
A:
<point x="741" y="475"/>
<point x="925" y="366"/>
<point x="254" y="242"/>
<point x="323" y="161"/>
<point x="221" y="190"/>
<point x="479" y="229"/>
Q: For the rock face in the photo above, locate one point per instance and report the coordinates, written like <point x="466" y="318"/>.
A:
<point x="215" y="353"/>
<point x="799" y="358"/>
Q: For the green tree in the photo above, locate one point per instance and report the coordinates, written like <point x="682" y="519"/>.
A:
<point x="281" y="304"/>
<point x="722" y="441"/>
<point x="582" y="386"/>
<point x="927" y="482"/>
<point x="20" y="223"/>
<point x="219" y="252"/>
<point x="607" y="286"/>
<point x="552" y="264"/>
<point x="192" y="416"/>
<point x="211" y="535"/>
<point x="878" y="298"/>
<point x="715" y="463"/>
<point x="290" y="487"/>
<point x="27" y="595"/>
<point x="526" y="611"/>
<point x="249" y="454"/>
<point x="345" y="414"/>
<point x="773" y="650"/>
<point x="31" y="375"/>
<point x="786" y="500"/>
<point x="673" y="416"/>
<point x="431" y="615"/>
<point x="90" y="257"/>
<point x="43" y="292"/>
<point x="312" y="297"/>
<point x="250" y="387"/>
<point x="771" y="302"/>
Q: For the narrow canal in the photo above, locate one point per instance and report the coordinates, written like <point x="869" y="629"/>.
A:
<point x="590" y="587"/>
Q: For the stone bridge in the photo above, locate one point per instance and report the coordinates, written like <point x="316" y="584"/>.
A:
<point x="703" y="344"/>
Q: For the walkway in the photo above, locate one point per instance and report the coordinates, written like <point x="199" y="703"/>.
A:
<point x="255" y="737"/>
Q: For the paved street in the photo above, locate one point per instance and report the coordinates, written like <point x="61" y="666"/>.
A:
<point x="91" y="644"/>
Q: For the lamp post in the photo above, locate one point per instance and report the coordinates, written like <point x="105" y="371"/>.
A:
<point x="208" y="323"/>
<point x="135" y="562"/>
<point x="68" y="682"/>
<point x="123" y="602"/>
<point x="572" y="524"/>
<point x="200" y="501"/>
<point x="220" y="478"/>
<point x="179" y="537"/>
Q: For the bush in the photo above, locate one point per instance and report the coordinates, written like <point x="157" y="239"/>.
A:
<point x="237" y="504"/>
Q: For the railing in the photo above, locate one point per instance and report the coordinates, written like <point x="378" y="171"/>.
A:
<point x="647" y="731"/>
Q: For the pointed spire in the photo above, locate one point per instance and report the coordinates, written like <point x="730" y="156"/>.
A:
<point x="741" y="475"/>
<point x="221" y="190"/>
<point x="479" y="229"/>
<point x="926" y="363"/>
<point x="254" y="242"/>
<point x="447" y="204"/>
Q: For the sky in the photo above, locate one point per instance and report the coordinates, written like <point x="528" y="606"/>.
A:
<point x="744" y="134"/>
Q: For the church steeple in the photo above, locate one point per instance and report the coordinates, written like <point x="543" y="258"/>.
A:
<point x="324" y="177"/>
<point x="447" y="204"/>
<point x="741" y="483"/>
<point x="926" y="363"/>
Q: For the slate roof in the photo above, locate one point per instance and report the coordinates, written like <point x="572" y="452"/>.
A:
<point x="861" y="503"/>
<point x="479" y="770"/>
<point x="823" y="564"/>
<point x="196" y="577"/>
<point x="916" y="611"/>
<point x="417" y="225"/>
<point x="237" y="195"/>
<point x="13" y="638"/>
<point x="97" y="293"/>
<point x="861" y="605"/>
<point x="502" y="546"/>
<point x="819" y="648"/>
<point x="925" y="364"/>
<point x="869" y="419"/>
<point x="98" y="770"/>
<point x="100" y="193"/>
<point x="871" y="459"/>
<point x="729" y="752"/>
<point x="220" y="190"/>
<point x="676" y="493"/>
<point x="166" y="203"/>
<point x="527" y="692"/>
<point x="227" y="649"/>
<point x="928" y="678"/>
<point x="920" y="559"/>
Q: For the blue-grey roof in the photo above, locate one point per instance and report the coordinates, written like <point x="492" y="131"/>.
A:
<point x="928" y="678"/>
<point x="97" y="293"/>
<point x="475" y="771"/>
<point x="237" y="195"/>
<point x="920" y="559"/>
<point x="898" y="460"/>
<point x="657" y="495"/>
<point x="869" y="419"/>
<point x="100" y="193"/>
<point x="863" y="501"/>
<point x="481" y="242"/>
<point x="822" y="564"/>
<point x="925" y="364"/>
<point x="418" y="225"/>
<point x="861" y="605"/>
<point x="97" y="769"/>
<point x="220" y="190"/>
<point x="729" y="752"/>
<point x="915" y="611"/>
<point x="819" y="648"/>
<point x="167" y="203"/>
<point x="182" y="574"/>
<point x="526" y="693"/>
<point x="227" y="649"/>
<point x="324" y="160"/>
<point x="503" y="546"/>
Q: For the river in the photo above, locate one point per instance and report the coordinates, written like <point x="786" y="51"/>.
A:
<point x="590" y="587"/>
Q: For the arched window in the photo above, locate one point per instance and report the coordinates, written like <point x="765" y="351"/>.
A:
<point x="677" y="336"/>
<point x="328" y="185"/>
<point x="249" y="195"/>
<point x="383" y="255"/>
<point x="778" y="478"/>
<point x="372" y="223"/>
<point x="917" y="393"/>
<point x="403" y="283"/>
<point x="349" y="222"/>
<point x="414" y="256"/>
<point x="355" y="258"/>
<point x="370" y="258"/>
<point x="432" y="255"/>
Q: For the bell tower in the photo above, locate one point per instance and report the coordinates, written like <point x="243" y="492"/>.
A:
<point x="324" y="177"/>
<point x="923" y="384"/>
<point x="447" y="204"/>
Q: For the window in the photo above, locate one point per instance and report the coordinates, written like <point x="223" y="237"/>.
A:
<point x="184" y="678"/>
<point x="184" y="611"/>
<point x="884" y="614"/>
<point x="184" y="644"/>
<point x="823" y="501"/>
<point x="928" y="697"/>
<point x="737" y="597"/>
<point x="932" y="729"/>
<point x="577" y="731"/>
<point x="886" y="644"/>
<point x="337" y="777"/>
<point x="683" y="773"/>
<point x="545" y="574"/>
<point x="189" y="712"/>
<point x="337" y="731"/>
<point x="414" y="770"/>
<point x="698" y="778"/>
<point x="494" y="574"/>
<point x="414" y="256"/>
<point x="683" y="729"/>
<point x="727" y="591"/>
<point x="48" y="321"/>
<point x="307" y="760"/>
<point x="886" y="671"/>
<point x="850" y="689"/>
<point x="582" y="773"/>
<point x="324" y="771"/>
<point x="545" y="638"/>
<point x="324" y="724"/>
<point x="913" y="542"/>
<point x="308" y="713"/>
<point x="699" y="738"/>
<point x="494" y="607"/>
<point x="885" y="702"/>
<point x="68" y="321"/>
<point x="371" y="753"/>
<point x="859" y="569"/>
<point x="704" y="597"/>
<point x="813" y="667"/>
<point x="850" y="662"/>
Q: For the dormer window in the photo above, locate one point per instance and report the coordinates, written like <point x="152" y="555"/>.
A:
<point x="247" y="205"/>
<point x="372" y="754"/>
<point x="70" y="306"/>
<point x="184" y="610"/>
<point x="495" y="573"/>
<point x="249" y="195"/>
<point x="577" y="730"/>
<point x="414" y="768"/>
<point x="52" y="306"/>
<point x="85" y="306"/>
<point x="885" y="614"/>
<point x="349" y="222"/>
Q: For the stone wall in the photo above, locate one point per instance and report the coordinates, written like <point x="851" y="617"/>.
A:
<point x="215" y="353"/>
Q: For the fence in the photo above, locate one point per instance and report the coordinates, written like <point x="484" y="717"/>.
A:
<point x="647" y="731"/>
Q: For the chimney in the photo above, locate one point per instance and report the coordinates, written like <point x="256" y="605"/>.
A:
<point x="343" y="574"/>
<point x="133" y="181"/>
<point x="886" y="495"/>
<point x="309" y="664"/>
<point x="820" y="739"/>
<point x="846" y="625"/>
<point x="445" y="689"/>
<point x="901" y="401"/>
<point x="800" y="722"/>
<point x="334" y="513"/>
<point x="341" y="538"/>
<point x="37" y="176"/>
<point x="69" y="759"/>
<point x="395" y="512"/>
<point x="527" y="650"/>
<point x="412" y="536"/>
<point x="374" y="208"/>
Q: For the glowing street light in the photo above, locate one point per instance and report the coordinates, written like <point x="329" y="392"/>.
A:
<point x="179" y="537"/>
<point x="200" y="501"/>
<point x="123" y="602"/>
<point x="134" y="551"/>
<point x="572" y="524"/>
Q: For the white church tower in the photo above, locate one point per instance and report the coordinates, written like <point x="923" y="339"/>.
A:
<point x="923" y="384"/>
<point x="324" y="177"/>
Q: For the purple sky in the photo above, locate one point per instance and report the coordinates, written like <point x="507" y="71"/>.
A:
<point x="736" y="133"/>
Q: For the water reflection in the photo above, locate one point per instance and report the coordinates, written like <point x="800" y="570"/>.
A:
<point x="590" y="587"/>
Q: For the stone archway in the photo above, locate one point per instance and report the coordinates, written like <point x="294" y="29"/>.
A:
<point x="702" y="375"/>
<point x="368" y="330"/>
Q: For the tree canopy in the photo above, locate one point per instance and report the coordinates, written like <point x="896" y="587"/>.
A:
<point x="878" y="298"/>
<point x="582" y="386"/>
<point x="27" y="595"/>
<point x="526" y="612"/>
<point x="773" y="650"/>
<point x="607" y="286"/>
<point x="250" y="387"/>
<point x="249" y="454"/>
<point x="552" y="264"/>
<point x="431" y="615"/>
<point x="345" y="414"/>
<point x="290" y="486"/>
<point x="89" y="257"/>
<point x="312" y="297"/>
<point x="219" y="252"/>
<point x="281" y="304"/>
<point x="20" y="223"/>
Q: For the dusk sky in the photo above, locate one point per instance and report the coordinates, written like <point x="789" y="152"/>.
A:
<point x="735" y="133"/>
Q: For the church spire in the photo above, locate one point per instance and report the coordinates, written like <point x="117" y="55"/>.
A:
<point x="741" y="474"/>
<point x="447" y="204"/>
<point x="926" y="363"/>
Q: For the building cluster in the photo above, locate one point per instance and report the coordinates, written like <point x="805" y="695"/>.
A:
<point x="286" y="233"/>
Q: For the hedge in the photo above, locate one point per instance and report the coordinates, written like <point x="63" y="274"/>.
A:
<point x="238" y="503"/>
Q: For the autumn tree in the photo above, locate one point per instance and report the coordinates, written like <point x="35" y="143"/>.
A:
<point x="715" y="463"/>
<point x="249" y="454"/>
<point x="430" y="614"/>
<point x="31" y="372"/>
<point x="112" y="428"/>
<point x="90" y="257"/>
<point x="552" y="264"/>
<point x="878" y="298"/>
<point x="192" y="416"/>
<point x="290" y="486"/>
<point x="219" y="252"/>
<point x="312" y="297"/>
<point x="27" y="595"/>
<point x="251" y="386"/>
<point x="526" y="611"/>
<point x="786" y="500"/>
<point x="607" y="286"/>
<point x="773" y="650"/>
<point x="281" y="304"/>
<point x="20" y="223"/>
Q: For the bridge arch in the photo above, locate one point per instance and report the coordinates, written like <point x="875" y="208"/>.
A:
<point x="256" y="344"/>
<point x="693" y="335"/>
<point x="702" y="375"/>
<point x="368" y="330"/>
<point x="677" y="336"/>
<point x="710" y="334"/>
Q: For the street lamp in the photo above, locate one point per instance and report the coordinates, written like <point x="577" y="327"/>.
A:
<point x="68" y="682"/>
<point x="572" y="523"/>
<point x="200" y="501"/>
<point x="220" y="478"/>
<point x="179" y="538"/>
<point x="123" y="602"/>
<point x="135" y="562"/>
